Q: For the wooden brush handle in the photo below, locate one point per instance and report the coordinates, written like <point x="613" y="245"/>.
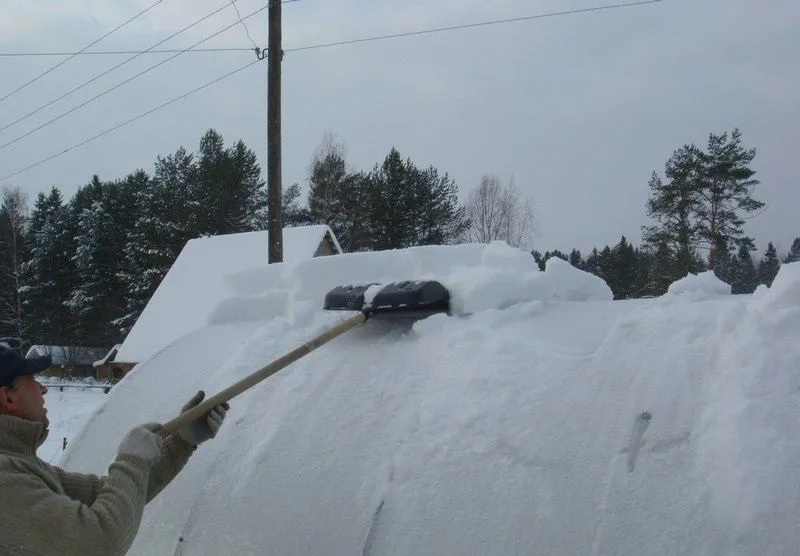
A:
<point x="248" y="382"/>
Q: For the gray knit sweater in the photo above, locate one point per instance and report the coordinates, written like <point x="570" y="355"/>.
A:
<point x="45" y="511"/>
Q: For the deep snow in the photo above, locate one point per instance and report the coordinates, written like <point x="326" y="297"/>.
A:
<point x="68" y="410"/>
<point x="541" y="418"/>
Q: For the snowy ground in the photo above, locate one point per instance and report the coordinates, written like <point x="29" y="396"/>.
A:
<point x="542" y="418"/>
<point x="68" y="411"/>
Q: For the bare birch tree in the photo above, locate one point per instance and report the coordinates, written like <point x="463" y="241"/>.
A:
<point x="499" y="212"/>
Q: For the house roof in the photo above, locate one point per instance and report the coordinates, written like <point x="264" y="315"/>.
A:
<point x="195" y="283"/>
<point x="67" y="355"/>
<point x="108" y="357"/>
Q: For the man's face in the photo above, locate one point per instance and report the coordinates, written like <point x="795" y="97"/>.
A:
<point x="25" y="399"/>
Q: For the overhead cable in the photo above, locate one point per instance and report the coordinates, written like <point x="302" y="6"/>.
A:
<point x="62" y="62"/>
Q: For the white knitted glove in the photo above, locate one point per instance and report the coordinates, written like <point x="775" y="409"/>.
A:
<point x="142" y="441"/>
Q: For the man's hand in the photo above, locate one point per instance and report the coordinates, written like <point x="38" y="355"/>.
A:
<point x="205" y="427"/>
<point x="143" y="442"/>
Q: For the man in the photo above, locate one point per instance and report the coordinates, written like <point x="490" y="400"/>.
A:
<point x="47" y="511"/>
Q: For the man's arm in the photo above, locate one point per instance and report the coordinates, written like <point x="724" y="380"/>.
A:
<point x="175" y="452"/>
<point x="38" y="521"/>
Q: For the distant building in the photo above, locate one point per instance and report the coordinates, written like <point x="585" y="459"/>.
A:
<point x="195" y="284"/>
<point x="109" y="370"/>
<point x="75" y="361"/>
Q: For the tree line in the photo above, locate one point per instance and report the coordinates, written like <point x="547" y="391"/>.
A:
<point x="80" y="272"/>
<point x="699" y="206"/>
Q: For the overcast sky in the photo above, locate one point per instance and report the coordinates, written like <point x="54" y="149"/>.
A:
<point x="577" y="109"/>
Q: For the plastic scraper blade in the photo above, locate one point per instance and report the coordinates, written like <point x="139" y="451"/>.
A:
<point x="408" y="298"/>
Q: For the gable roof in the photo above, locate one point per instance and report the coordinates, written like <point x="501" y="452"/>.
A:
<point x="195" y="283"/>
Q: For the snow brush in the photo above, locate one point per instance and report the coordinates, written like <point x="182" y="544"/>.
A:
<point x="411" y="299"/>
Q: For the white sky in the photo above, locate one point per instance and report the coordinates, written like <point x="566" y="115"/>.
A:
<point x="579" y="109"/>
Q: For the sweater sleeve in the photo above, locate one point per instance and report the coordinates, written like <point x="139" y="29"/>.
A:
<point x="38" y="521"/>
<point x="175" y="452"/>
<point x="83" y="487"/>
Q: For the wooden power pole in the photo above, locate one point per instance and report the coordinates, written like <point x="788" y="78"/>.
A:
<point x="274" y="188"/>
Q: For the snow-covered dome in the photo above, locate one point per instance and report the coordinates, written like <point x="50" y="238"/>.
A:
<point x="541" y="418"/>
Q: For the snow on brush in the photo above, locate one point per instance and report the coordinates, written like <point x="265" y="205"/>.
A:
<point x="543" y="418"/>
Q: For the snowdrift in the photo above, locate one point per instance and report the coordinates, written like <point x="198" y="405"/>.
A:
<point x="542" y="418"/>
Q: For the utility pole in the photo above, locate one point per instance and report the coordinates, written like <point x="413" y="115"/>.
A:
<point x="274" y="188"/>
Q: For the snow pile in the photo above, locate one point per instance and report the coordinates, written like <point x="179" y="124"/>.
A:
<point x="785" y="290"/>
<point x="529" y="424"/>
<point x="751" y="438"/>
<point x="704" y="285"/>
<point x="241" y="288"/>
<point x="486" y="287"/>
<point x="478" y="276"/>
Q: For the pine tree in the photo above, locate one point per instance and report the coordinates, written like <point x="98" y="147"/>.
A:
<point x="338" y="197"/>
<point x="124" y="198"/>
<point x="673" y="205"/>
<point x="575" y="258"/>
<point x="48" y="274"/>
<point x="538" y="258"/>
<point x="644" y="261"/>
<point x="91" y="218"/>
<point x="726" y="190"/>
<point x="13" y="218"/>
<point x="246" y="201"/>
<point x="662" y="270"/>
<point x="210" y="191"/>
<point x="769" y="266"/>
<point x="408" y="206"/>
<point x="555" y="253"/>
<point x="725" y="262"/>
<point x="794" y="252"/>
<point x="167" y="218"/>
<point x="225" y="191"/>
<point x="624" y="269"/>
<point x="591" y="264"/>
<point x="745" y="278"/>
<point x="104" y="222"/>
<point x="607" y="269"/>
<point x="293" y="213"/>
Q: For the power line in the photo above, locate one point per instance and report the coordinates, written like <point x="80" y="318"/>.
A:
<point x="62" y="62"/>
<point x="471" y="25"/>
<point x="176" y="99"/>
<point x="96" y="77"/>
<point x="118" y="85"/>
<point x="119" y="52"/>
<point x="339" y="43"/>
<point x="131" y="51"/>
<point x="246" y="30"/>
<point x="129" y="121"/>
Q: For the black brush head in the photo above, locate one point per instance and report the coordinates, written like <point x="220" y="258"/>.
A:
<point x="408" y="298"/>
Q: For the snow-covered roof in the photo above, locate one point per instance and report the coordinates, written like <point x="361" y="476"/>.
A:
<point x="67" y="355"/>
<point x="195" y="283"/>
<point x="541" y="418"/>
<point x="108" y="356"/>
